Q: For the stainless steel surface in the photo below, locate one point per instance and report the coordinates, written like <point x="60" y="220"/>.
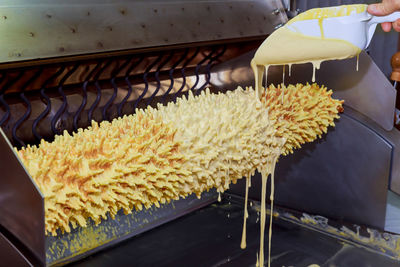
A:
<point x="82" y="242"/>
<point x="392" y="137"/>
<point x="53" y="28"/>
<point x="366" y="90"/>
<point x="344" y="175"/>
<point x="212" y="236"/>
<point x="21" y="203"/>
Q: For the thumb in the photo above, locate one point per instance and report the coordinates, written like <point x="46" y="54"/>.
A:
<point x="384" y="8"/>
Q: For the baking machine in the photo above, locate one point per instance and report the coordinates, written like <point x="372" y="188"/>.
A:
<point x="64" y="64"/>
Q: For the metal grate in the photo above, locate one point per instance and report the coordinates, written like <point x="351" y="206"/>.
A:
<point x="43" y="101"/>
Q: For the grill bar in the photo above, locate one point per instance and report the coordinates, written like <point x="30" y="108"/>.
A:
<point x="115" y="87"/>
<point x="46" y="101"/>
<point x="57" y="129"/>
<point x="128" y="82"/>
<point x="28" y="108"/>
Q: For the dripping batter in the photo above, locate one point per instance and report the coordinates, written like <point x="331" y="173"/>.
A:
<point x="285" y="46"/>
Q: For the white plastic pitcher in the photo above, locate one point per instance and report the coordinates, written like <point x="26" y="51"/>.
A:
<point x="357" y="29"/>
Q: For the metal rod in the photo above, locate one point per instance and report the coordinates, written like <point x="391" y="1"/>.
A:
<point x="45" y="99"/>
<point x="183" y="72"/>
<point x="28" y="108"/>
<point x="209" y="65"/>
<point x="199" y="59"/>
<point x="171" y="76"/>
<point x="128" y="82"/>
<point x="198" y="66"/>
<point x="146" y="83"/>
<point x="98" y="91"/>
<point x="162" y="64"/>
<point x="115" y="87"/>
<point x="64" y="101"/>
<point x="84" y="97"/>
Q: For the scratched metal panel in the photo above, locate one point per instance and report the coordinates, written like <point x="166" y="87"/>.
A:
<point x="43" y="28"/>
<point x="82" y="242"/>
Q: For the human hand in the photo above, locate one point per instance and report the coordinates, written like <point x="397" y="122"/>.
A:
<point x="385" y="8"/>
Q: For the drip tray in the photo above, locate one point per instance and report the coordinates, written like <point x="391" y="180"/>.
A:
<point x="211" y="237"/>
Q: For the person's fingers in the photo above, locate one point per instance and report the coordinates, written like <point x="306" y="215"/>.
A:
<point x="384" y="8"/>
<point x="386" y="26"/>
<point x="396" y="25"/>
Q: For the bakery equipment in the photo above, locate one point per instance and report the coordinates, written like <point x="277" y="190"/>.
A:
<point x="66" y="64"/>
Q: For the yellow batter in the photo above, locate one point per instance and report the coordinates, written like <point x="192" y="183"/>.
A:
<point x="246" y="214"/>
<point x="167" y="153"/>
<point x="285" y="47"/>
<point x="157" y="155"/>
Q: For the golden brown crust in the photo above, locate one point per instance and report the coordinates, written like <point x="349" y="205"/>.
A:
<point x="158" y="155"/>
<point x="304" y="113"/>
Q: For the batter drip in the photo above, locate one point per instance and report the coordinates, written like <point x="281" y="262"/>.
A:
<point x="286" y="47"/>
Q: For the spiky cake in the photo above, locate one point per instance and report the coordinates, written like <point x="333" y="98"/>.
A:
<point x="162" y="154"/>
